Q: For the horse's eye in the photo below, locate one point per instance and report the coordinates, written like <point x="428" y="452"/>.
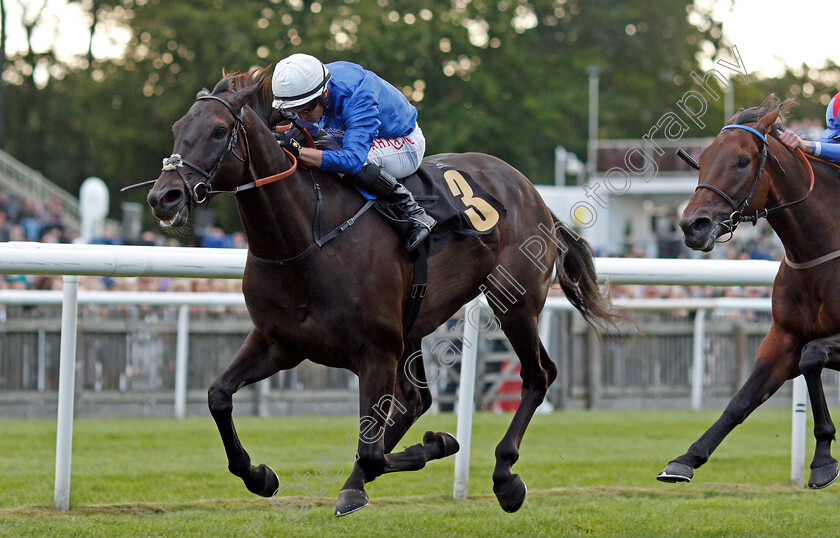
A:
<point x="220" y="132"/>
<point x="743" y="161"/>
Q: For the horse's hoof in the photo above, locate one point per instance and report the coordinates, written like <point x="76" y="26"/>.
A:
<point x="270" y="483"/>
<point x="511" y="494"/>
<point x="824" y="476"/>
<point x="446" y="443"/>
<point x="450" y="444"/>
<point x="676" y="472"/>
<point x="349" y="501"/>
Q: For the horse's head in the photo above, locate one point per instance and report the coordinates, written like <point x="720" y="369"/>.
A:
<point x="210" y="155"/>
<point x="734" y="182"/>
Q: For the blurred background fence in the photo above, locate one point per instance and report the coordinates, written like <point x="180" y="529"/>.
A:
<point x="126" y="361"/>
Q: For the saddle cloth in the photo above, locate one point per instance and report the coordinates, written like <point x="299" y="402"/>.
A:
<point x="458" y="204"/>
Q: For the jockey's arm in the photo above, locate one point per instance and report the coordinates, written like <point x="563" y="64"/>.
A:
<point x="829" y="151"/>
<point x="823" y="149"/>
<point x="360" y="118"/>
<point x="311" y="156"/>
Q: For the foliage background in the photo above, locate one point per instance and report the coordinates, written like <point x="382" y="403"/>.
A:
<point x="505" y="77"/>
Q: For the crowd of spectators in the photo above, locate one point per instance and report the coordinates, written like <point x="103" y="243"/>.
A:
<point x="31" y="220"/>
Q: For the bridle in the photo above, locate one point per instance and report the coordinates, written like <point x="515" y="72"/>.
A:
<point x="202" y="191"/>
<point x="737" y="216"/>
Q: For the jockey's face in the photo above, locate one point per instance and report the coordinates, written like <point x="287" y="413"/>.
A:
<point x="311" y="111"/>
<point x="312" y="115"/>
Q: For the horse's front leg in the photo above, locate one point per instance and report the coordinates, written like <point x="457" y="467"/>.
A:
<point x="816" y="356"/>
<point x="775" y="363"/>
<point x="255" y="361"/>
<point x="376" y="401"/>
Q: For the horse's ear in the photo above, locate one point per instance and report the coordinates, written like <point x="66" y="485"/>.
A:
<point x="202" y="92"/>
<point x="242" y="96"/>
<point x="766" y="123"/>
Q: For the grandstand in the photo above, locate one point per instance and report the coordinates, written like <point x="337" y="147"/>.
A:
<point x="21" y="185"/>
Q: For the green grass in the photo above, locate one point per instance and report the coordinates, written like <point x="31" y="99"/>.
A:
<point x="587" y="473"/>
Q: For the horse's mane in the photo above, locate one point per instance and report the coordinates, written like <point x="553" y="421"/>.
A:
<point x="752" y="115"/>
<point x="263" y="97"/>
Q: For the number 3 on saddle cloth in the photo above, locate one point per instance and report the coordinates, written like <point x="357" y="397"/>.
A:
<point x="458" y="204"/>
<point x="460" y="207"/>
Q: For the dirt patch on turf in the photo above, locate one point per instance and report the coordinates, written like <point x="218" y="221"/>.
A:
<point x="234" y="505"/>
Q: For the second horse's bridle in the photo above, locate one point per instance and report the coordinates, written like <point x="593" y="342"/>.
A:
<point x="737" y="216"/>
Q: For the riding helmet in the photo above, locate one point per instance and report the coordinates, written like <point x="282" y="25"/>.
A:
<point x="297" y="80"/>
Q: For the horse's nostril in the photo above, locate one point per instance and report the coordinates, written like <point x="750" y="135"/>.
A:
<point x="172" y="197"/>
<point x="696" y="227"/>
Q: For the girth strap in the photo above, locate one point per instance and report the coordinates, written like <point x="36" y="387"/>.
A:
<point x="419" y="285"/>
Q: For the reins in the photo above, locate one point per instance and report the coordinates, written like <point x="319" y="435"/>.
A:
<point x="831" y="255"/>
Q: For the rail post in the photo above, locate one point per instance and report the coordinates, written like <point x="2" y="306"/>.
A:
<point x="182" y="346"/>
<point x="466" y="401"/>
<point x="594" y="392"/>
<point x="797" y="434"/>
<point x="698" y="360"/>
<point x="66" y="391"/>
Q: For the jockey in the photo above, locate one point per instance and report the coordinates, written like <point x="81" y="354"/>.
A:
<point x="827" y="145"/>
<point x="375" y="123"/>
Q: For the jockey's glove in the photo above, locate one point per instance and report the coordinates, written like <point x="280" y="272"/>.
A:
<point x="288" y="143"/>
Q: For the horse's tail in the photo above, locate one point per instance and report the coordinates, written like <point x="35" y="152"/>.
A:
<point x="576" y="272"/>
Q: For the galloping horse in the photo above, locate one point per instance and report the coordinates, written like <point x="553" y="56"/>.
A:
<point x="340" y="304"/>
<point x="747" y="174"/>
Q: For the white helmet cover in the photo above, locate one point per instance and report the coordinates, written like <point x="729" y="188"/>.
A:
<point x="298" y="79"/>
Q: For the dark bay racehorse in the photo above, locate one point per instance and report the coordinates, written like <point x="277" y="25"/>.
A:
<point x="746" y="174"/>
<point x="341" y="304"/>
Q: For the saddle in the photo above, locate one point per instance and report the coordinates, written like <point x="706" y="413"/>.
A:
<point x="458" y="204"/>
<point x="460" y="207"/>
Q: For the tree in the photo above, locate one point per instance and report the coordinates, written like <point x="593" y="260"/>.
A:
<point x="506" y="77"/>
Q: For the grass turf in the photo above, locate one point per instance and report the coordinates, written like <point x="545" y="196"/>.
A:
<point x="587" y="473"/>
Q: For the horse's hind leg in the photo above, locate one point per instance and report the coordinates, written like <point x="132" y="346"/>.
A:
<point x="256" y="360"/>
<point x="537" y="371"/>
<point x="411" y="399"/>
<point x="413" y="395"/>
<point x="816" y="356"/>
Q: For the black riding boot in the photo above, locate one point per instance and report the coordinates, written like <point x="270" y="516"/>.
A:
<point x="386" y="187"/>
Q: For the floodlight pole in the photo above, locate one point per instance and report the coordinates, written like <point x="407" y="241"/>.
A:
<point x="594" y="73"/>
